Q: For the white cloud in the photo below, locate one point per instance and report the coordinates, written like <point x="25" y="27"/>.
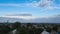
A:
<point x="47" y="4"/>
<point x="41" y="3"/>
<point x="10" y="5"/>
<point x="23" y="17"/>
<point x="51" y="19"/>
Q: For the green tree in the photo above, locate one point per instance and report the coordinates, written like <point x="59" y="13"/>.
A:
<point x="17" y="26"/>
<point x="38" y="31"/>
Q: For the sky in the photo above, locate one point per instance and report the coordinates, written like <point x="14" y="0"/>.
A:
<point x="29" y="9"/>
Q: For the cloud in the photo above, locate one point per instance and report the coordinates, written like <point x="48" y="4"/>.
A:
<point x="32" y="19"/>
<point x="24" y="14"/>
<point x="46" y="4"/>
<point x="9" y="4"/>
<point x="33" y="4"/>
<point x="18" y="13"/>
<point x="51" y="19"/>
<point x="42" y="3"/>
<point x="22" y="17"/>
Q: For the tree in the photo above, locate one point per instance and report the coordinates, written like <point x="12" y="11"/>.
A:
<point x="17" y="26"/>
<point x="38" y="31"/>
<point x="29" y="25"/>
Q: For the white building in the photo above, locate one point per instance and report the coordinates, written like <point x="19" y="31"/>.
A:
<point x="45" y="32"/>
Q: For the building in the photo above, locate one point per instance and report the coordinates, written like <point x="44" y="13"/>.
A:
<point x="45" y="32"/>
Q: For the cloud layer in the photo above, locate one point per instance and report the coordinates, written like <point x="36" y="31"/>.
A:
<point x="51" y="19"/>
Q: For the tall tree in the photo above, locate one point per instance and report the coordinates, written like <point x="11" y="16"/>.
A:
<point x="18" y="27"/>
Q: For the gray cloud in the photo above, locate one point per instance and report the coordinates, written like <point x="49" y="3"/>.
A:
<point x="24" y="14"/>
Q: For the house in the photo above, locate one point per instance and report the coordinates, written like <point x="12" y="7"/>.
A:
<point x="45" y="32"/>
<point x="12" y="32"/>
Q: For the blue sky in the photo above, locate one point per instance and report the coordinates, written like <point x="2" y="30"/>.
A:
<point x="37" y="8"/>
